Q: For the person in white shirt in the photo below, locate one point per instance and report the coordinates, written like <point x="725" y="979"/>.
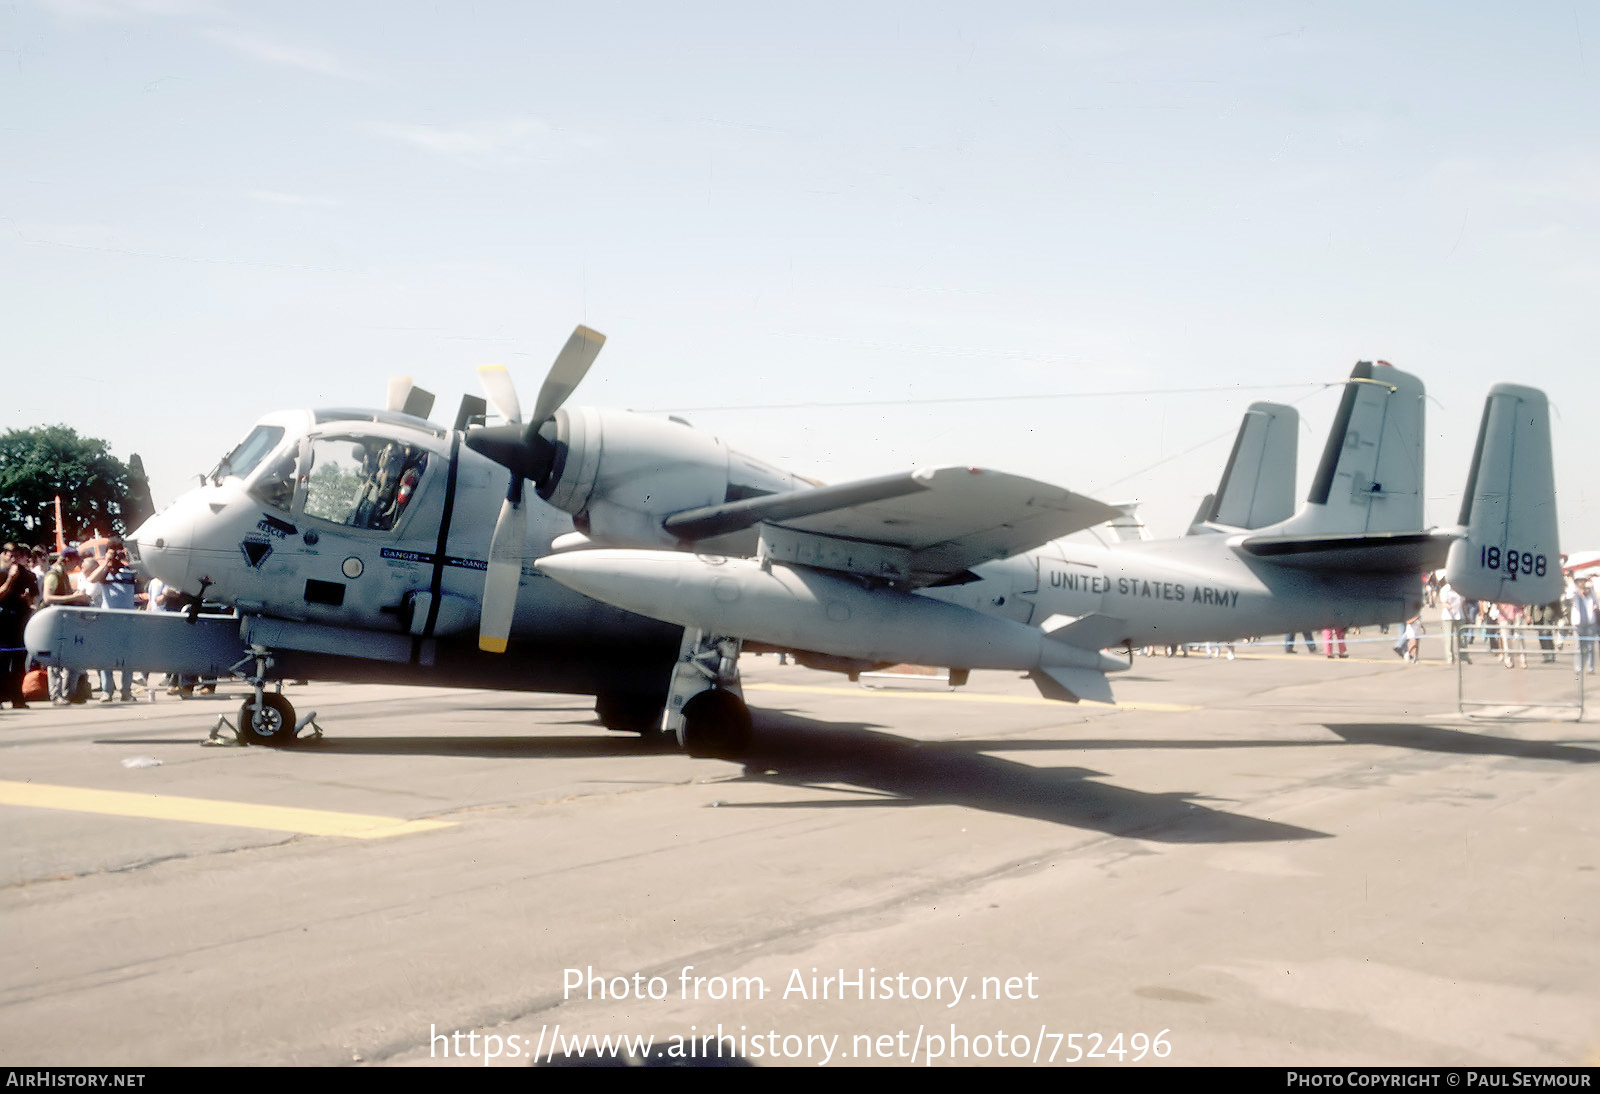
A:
<point x="1455" y="616"/>
<point x="1583" y="611"/>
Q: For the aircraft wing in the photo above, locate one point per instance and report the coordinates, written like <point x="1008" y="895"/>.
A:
<point x="938" y="521"/>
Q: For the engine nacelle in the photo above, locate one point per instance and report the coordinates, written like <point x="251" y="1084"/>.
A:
<point x="621" y="474"/>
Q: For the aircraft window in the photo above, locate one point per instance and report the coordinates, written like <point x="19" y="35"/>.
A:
<point x="365" y="482"/>
<point x="275" y="485"/>
<point x="249" y="452"/>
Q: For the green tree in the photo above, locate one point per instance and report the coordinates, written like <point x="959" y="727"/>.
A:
<point x="36" y="465"/>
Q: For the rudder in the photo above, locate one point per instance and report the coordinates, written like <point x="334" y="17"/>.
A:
<point x="1510" y="551"/>
<point x="1370" y="478"/>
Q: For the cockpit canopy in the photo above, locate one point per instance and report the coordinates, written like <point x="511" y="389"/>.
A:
<point x="357" y="468"/>
<point x="248" y="453"/>
<point x="362" y="481"/>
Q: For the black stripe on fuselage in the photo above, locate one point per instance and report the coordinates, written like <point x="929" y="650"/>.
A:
<point x="436" y="584"/>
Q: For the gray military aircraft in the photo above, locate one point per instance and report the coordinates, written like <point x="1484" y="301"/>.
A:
<point x="378" y="546"/>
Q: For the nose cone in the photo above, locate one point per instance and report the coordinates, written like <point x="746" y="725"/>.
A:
<point x="163" y="546"/>
<point x="643" y="582"/>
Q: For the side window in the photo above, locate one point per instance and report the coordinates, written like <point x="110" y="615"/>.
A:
<point x="275" y="485"/>
<point x="364" y="482"/>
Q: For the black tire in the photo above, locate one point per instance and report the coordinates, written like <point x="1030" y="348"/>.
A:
<point x="716" y="724"/>
<point x="625" y="712"/>
<point x="272" y="725"/>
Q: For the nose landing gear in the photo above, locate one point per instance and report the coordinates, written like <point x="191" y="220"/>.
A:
<point x="267" y="718"/>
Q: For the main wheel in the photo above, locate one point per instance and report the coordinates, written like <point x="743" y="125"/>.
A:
<point x="627" y="712"/>
<point x="716" y="724"/>
<point x="271" y="724"/>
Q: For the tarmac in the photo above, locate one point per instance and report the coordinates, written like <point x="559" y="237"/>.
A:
<point x="1275" y="860"/>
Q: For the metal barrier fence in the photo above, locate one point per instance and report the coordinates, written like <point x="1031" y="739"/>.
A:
<point x="1521" y="673"/>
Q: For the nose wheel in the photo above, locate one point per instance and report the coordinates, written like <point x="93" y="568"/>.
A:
<point x="267" y="719"/>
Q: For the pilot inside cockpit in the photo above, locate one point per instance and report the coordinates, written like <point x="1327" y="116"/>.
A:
<point x="364" y="484"/>
<point x="390" y="474"/>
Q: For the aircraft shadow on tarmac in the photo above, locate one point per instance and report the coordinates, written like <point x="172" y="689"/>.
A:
<point x="896" y="772"/>
<point x="890" y="771"/>
<point x="1421" y="738"/>
<point x="1424" y="738"/>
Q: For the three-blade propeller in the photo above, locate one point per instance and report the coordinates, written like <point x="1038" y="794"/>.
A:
<point x="527" y="454"/>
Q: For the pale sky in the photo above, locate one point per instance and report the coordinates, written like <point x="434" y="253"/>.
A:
<point x="212" y="210"/>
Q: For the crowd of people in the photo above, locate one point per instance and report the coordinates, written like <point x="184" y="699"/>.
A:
<point x="1504" y="629"/>
<point x="32" y="578"/>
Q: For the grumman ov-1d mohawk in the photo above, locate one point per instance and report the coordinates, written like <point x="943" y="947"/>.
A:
<point x="377" y="546"/>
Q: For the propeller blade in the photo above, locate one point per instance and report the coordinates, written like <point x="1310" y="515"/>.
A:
<point x="503" y="576"/>
<point x="399" y="390"/>
<point x="572" y="365"/>
<point x="419" y="403"/>
<point x="501" y="391"/>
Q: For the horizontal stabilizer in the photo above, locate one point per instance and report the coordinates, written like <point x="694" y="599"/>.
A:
<point x="1093" y="632"/>
<point x="1384" y="553"/>
<point x="1129" y="527"/>
<point x="1069" y="685"/>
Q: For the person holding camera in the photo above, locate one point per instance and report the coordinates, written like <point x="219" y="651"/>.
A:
<point x="112" y="583"/>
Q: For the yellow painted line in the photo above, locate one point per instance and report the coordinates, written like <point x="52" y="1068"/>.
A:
<point x="963" y="697"/>
<point x="277" y="818"/>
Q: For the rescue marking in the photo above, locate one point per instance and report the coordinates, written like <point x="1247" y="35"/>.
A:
<point x="276" y="818"/>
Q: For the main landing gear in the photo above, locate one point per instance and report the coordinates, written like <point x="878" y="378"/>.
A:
<point x="705" y="704"/>
<point x="716" y="723"/>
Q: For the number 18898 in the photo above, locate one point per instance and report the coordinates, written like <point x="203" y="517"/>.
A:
<point x="1512" y="561"/>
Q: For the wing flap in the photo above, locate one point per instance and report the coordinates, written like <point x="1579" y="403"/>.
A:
<point x="962" y="517"/>
<point x="942" y="520"/>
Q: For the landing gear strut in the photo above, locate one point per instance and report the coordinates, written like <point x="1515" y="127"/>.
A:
<point x="705" y="704"/>
<point x="266" y="718"/>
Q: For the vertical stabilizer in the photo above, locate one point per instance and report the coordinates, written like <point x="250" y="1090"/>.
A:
<point x="1508" y="511"/>
<point x="1370" y="478"/>
<point x="1257" y="487"/>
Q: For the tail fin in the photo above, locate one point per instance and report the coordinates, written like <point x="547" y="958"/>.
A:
<point x="1257" y="487"/>
<point x="1370" y="477"/>
<point x="1508" y="512"/>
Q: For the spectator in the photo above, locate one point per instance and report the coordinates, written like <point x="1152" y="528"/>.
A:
<point x="1329" y="635"/>
<point x="19" y="591"/>
<point x="111" y="583"/>
<point x="61" y="591"/>
<point x="1585" y="614"/>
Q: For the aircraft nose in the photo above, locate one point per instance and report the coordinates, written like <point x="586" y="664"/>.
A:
<point x="163" y="545"/>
